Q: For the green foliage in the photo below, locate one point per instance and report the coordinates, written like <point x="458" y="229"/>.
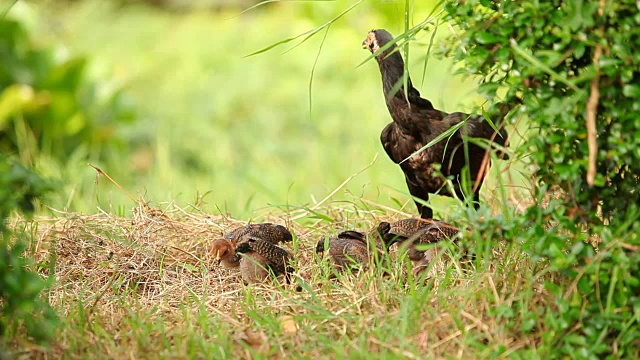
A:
<point x="47" y="103"/>
<point x="544" y="53"/>
<point x="560" y="57"/>
<point x="19" y="188"/>
<point x="20" y="287"/>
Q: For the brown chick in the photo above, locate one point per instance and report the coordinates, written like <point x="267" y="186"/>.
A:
<point x="347" y="250"/>
<point x="225" y="253"/>
<point x="224" y="249"/>
<point x="417" y="231"/>
<point x="261" y="260"/>
<point x="272" y="233"/>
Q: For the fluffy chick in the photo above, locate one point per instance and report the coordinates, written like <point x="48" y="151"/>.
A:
<point x="263" y="259"/>
<point x="224" y="250"/>
<point x="225" y="253"/>
<point x="349" y="250"/>
<point x="272" y="233"/>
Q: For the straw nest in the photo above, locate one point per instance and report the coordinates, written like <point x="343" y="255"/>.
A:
<point x="162" y="256"/>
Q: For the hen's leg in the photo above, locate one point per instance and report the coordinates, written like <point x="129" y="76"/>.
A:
<point x="417" y="192"/>
<point x="425" y="211"/>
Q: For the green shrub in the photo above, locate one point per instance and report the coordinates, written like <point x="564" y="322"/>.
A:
<point x="20" y="287"/>
<point x="576" y="67"/>
<point x="47" y="103"/>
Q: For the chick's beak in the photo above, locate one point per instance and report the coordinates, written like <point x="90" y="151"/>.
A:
<point x="218" y="262"/>
<point x="364" y="44"/>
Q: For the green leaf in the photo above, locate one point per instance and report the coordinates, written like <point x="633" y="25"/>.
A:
<point x="486" y="38"/>
<point x="631" y="90"/>
<point x="486" y="116"/>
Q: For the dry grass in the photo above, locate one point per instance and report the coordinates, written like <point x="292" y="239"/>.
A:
<point x="147" y="287"/>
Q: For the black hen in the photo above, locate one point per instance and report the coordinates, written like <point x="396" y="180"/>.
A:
<point x="416" y="123"/>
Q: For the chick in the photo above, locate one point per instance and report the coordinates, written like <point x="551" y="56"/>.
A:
<point x="224" y="250"/>
<point x="261" y="260"/>
<point x="272" y="233"/>
<point x="414" y="231"/>
<point x="225" y="253"/>
<point x="347" y="250"/>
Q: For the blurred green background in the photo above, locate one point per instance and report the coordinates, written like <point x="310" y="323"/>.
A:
<point x="162" y="96"/>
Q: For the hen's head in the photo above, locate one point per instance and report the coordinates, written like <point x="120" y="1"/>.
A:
<point x="377" y="39"/>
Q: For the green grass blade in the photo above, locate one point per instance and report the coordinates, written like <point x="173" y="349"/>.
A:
<point x="433" y="36"/>
<point x="405" y="48"/>
<point x="488" y="119"/>
<point x="327" y="24"/>
<point x="438" y="138"/>
<point x="313" y="69"/>
<point x="308" y="34"/>
<point x="265" y="2"/>
<point x="275" y="44"/>
<point x="426" y="58"/>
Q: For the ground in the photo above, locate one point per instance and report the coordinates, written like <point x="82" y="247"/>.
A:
<point x="146" y="286"/>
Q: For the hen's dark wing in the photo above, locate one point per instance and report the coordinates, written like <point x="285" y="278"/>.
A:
<point x="390" y="143"/>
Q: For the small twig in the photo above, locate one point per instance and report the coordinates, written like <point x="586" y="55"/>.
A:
<point x="186" y="252"/>
<point x="494" y="290"/>
<point x="387" y="208"/>
<point x="116" y="272"/>
<point x="100" y="172"/>
<point x="630" y="247"/>
<point x="453" y="336"/>
<point x="592" y="108"/>
<point x="484" y="327"/>
<point x="484" y="165"/>
<point x="484" y="169"/>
